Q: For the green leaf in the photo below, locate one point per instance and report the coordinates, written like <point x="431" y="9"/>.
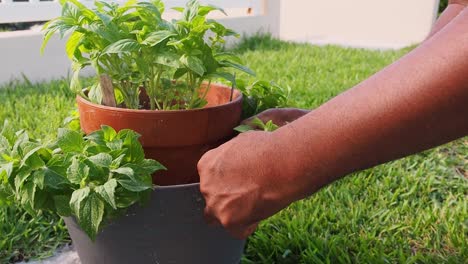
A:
<point x="30" y="148"/>
<point x="107" y="191"/>
<point x="78" y="171"/>
<point x="149" y="166"/>
<point x="237" y="66"/>
<point x="70" y="141"/>
<point x="135" y="185"/>
<point x="50" y="28"/>
<point x="109" y="134"/>
<point x="4" y="144"/>
<point x="32" y="159"/>
<point x="62" y="205"/>
<point x="117" y="153"/>
<point x="243" y="128"/>
<point x="22" y="175"/>
<point x="27" y="194"/>
<point x="168" y="59"/>
<point x="205" y="10"/>
<point x="43" y="201"/>
<point x="109" y="35"/>
<point x="8" y="133"/>
<point x="191" y="10"/>
<point x="179" y="73"/>
<point x="75" y="84"/>
<point x="222" y="75"/>
<point x="116" y="144"/>
<point x="38" y="178"/>
<point x="124" y="198"/>
<point x="149" y="8"/>
<point x="117" y="161"/>
<point x="157" y="37"/>
<point x="7" y="169"/>
<point x="21" y="139"/>
<point x="135" y="151"/>
<point x="77" y="197"/>
<point x="73" y="42"/>
<point x="106" y="19"/>
<point x="95" y="93"/>
<point x="121" y="46"/>
<point x="228" y="56"/>
<point x="270" y="126"/>
<point x="90" y="214"/>
<point x="54" y="180"/>
<point x="178" y="9"/>
<point x="258" y="122"/>
<point x="102" y="160"/>
<point x="59" y="163"/>
<point x="75" y="2"/>
<point x="97" y="137"/>
<point x="124" y="171"/>
<point x="194" y="64"/>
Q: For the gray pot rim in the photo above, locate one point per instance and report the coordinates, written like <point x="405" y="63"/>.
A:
<point x="173" y="187"/>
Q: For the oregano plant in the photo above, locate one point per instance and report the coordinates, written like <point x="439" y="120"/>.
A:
<point x="172" y="62"/>
<point x="92" y="178"/>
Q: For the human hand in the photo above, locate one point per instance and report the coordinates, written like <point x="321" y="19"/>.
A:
<point x="243" y="182"/>
<point x="279" y="116"/>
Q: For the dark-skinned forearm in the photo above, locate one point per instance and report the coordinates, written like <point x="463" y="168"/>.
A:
<point x="418" y="102"/>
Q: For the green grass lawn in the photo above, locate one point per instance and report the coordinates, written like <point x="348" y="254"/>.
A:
<point x="414" y="210"/>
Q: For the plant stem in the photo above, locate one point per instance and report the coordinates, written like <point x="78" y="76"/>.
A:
<point x="158" y="79"/>
<point x="206" y="90"/>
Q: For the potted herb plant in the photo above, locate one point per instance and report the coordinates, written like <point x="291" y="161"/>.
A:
<point x="156" y="78"/>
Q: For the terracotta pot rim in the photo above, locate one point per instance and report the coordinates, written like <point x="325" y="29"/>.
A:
<point x="235" y="100"/>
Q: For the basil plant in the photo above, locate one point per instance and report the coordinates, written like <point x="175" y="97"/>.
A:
<point x="143" y="53"/>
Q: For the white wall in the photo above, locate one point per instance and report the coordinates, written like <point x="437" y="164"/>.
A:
<point x="359" y="23"/>
<point x="19" y="53"/>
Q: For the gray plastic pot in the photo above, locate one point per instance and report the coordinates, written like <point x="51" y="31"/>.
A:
<point x="169" y="230"/>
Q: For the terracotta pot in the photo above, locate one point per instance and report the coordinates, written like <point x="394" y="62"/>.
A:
<point x="171" y="229"/>
<point x="177" y="139"/>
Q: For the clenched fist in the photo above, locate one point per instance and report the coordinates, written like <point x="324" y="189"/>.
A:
<point x="242" y="182"/>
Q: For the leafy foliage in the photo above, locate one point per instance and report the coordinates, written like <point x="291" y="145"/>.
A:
<point x="137" y="48"/>
<point x="262" y="95"/>
<point x="91" y="178"/>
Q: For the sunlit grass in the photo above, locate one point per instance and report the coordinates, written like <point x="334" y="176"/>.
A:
<point x="408" y="211"/>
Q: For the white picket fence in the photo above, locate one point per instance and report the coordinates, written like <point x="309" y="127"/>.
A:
<point x="376" y="24"/>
